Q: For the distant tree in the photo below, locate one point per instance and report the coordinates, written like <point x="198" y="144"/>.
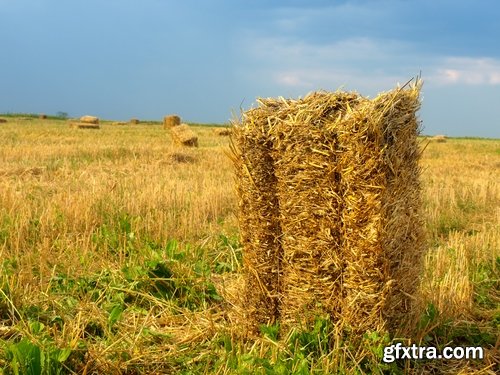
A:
<point x="63" y="115"/>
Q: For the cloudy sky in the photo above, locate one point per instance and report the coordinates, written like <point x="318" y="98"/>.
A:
<point x="206" y="59"/>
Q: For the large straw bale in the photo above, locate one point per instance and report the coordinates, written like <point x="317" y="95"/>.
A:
<point x="89" y="119"/>
<point x="329" y="208"/>
<point x="171" y="121"/>
<point x="3" y="121"/>
<point x="184" y="135"/>
<point x="134" y="121"/>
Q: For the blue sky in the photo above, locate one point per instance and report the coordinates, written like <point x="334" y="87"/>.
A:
<point x="204" y="60"/>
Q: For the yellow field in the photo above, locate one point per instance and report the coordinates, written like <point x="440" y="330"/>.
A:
<point x="115" y="245"/>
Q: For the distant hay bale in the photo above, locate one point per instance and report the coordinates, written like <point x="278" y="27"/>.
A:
<point x="440" y="138"/>
<point x="134" y="121"/>
<point x="42" y="116"/>
<point x="89" y="120"/>
<point x="171" y="121"/>
<point x="222" y="131"/>
<point x="3" y="121"/>
<point x="183" y="135"/>
<point x="83" y="125"/>
<point x="329" y="209"/>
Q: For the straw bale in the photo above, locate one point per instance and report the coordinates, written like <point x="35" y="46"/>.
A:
<point x="89" y="120"/>
<point x="439" y="138"/>
<point x="222" y="131"/>
<point x="171" y="121"/>
<point x="183" y="135"/>
<point x="42" y="116"/>
<point x="134" y="121"/>
<point x="329" y="206"/>
<point x="3" y="121"/>
<point x="83" y="125"/>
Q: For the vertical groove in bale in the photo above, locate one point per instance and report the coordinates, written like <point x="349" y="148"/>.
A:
<point x="308" y="181"/>
<point x="259" y="220"/>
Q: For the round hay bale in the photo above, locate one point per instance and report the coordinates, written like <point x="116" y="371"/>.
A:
<point x="440" y="138"/>
<point x="171" y="121"/>
<point x="42" y="116"/>
<point x="89" y="119"/>
<point x="134" y="121"/>
<point x="3" y="121"/>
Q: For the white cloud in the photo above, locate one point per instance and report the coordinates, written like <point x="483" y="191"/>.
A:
<point x="467" y="70"/>
<point x="366" y="64"/>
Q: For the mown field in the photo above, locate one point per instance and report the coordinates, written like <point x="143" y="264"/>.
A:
<point x="119" y="253"/>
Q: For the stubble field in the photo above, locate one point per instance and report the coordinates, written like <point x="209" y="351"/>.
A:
<point x="119" y="253"/>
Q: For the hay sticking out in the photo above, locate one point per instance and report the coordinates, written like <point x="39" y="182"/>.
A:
<point x="329" y="209"/>
<point x="89" y="120"/>
<point x="171" y="121"/>
<point x="183" y="135"/>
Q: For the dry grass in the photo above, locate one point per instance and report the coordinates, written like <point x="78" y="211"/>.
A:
<point x="86" y="223"/>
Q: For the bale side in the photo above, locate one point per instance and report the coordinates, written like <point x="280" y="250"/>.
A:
<point x="383" y="233"/>
<point x="403" y="236"/>
<point x="183" y="135"/>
